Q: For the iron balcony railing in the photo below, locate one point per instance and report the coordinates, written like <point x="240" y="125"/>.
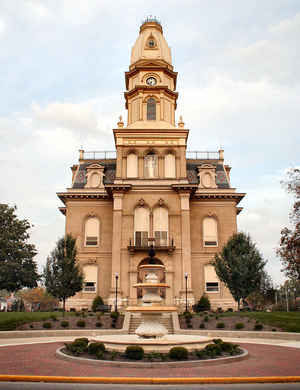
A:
<point x="202" y="155"/>
<point x="112" y="154"/>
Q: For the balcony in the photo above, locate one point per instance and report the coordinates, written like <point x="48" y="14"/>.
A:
<point x="148" y="243"/>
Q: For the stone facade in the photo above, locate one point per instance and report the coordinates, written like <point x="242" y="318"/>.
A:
<point x="151" y="192"/>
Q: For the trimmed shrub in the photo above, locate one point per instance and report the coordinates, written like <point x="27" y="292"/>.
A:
<point x="203" y="304"/>
<point x="114" y="315"/>
<point x="201" y="354"/>
<point x="239" y="325"/>
<point x="206" y="318"/>
<point x="213" y="350"/>
<point x="258" y="326"/>
<point x="220" y="325"/>
<point x="187" y="315"/>
<point x="98" y="301"/>
<point x="77" y="314"/>
<point x="178" y="353"/>
<point x="100" y="355"/>
<point x="220" y="310"/>
<point x="93" y="348"/>
<point x="274" y="330"/>
<point x="31" y="326"/>
<point x="134" y="352"/>
<point x="64" y="324"/>
<point x="202" y="325"/>
<point x="53" y="317"/>
<point x="230" y="309"/>
<point x="78" y="346"/>
<point x="47" y="325"/>
<point x="190" y="326"/>
<point x="98" y="324"/>
<point x="80" y="324"/>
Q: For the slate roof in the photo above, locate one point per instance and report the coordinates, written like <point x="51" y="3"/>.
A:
<point x="110" y="172"/>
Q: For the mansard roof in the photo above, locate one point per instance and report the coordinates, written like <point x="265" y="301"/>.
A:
<point x="110" y="173"/>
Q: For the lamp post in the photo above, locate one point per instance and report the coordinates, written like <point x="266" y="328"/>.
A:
<point x="116" y="301"/>
<point x="186" y="302"/>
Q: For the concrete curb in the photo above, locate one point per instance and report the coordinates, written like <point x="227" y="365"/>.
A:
<point x="189" y="363"/>
<point x="149" y="381"/>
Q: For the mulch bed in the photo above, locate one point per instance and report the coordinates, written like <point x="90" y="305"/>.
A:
<point x="90" y="322"/>
<point x="229" y="322"/>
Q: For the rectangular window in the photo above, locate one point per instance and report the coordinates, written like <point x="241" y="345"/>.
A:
<point x="212" y="286"/>
<point x="141" y="239"/>
<point x="89" y="287"/>
<point x="161" y="238"/>
<point x="210" y="243"/>
<point x="91" y="241"/>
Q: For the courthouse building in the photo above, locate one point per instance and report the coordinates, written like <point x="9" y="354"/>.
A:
<point x="150" y="191"/>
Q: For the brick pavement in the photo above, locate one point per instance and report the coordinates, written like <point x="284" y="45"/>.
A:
<point x="39" y="359"/>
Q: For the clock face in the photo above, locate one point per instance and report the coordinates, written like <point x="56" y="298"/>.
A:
<point x="151" y="81"/>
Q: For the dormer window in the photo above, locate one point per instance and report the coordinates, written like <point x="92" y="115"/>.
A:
<point x="151" y="43"/>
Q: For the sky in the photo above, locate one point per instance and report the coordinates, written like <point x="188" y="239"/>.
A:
<point x="62" y="65"/>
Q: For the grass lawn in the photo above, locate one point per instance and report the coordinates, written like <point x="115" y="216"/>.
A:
<point x="10" y="320"/>
<point x="288" y="321"/>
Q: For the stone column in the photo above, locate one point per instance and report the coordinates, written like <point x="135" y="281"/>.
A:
<point x="186" y="245"/>
<point x="116" y="245"/>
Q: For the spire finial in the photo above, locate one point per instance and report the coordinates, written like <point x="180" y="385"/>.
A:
<point x="180" y="123"/>
<point x="120" y="123"/>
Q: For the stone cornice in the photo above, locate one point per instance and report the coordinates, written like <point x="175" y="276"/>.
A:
<point x="113" y="188"/>
<point x="63" y="196"/>
<point x="237" y="197"/>
<point x="184" y="187"/>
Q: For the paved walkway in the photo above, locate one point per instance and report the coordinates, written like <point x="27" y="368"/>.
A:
<point x="31" y="357"/>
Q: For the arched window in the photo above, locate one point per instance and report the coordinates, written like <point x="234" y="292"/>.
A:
<point x="150" y="166"/>
<point x="90" y="278"/>
<point x="160" y="226"/>
<point x="210" y="232"/>
<point x="151" y="109"/>
<point x="170" y="165"/>
<point x="212" y="283"/>
<point x="141" y="226"/>
<point x="132" y="165"/>
<point x="92" y="232"/>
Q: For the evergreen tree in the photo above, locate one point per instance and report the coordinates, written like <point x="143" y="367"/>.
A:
<point x="203" y="304"/>
<point x="63" y="277"/>
<point x="239" y="266"/>
<point x="17" y="267"/>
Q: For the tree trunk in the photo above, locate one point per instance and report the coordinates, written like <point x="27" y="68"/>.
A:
<point x="64" y="306"/>
<point x="238" y="304"/>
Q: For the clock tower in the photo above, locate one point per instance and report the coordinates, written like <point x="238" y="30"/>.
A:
<point x="151" y="81"/>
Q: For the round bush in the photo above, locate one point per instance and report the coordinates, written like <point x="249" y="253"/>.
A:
<point x="53" y="317"/>
<point x="80" y="324"/>
<point x="206" y="318"/>
<point x="47" y="325"/>
<point x="258" y="326"/>
<point x="64" y="324"/>
<point x="220" y="325"/>
<point x="202" y="305"/>
<point x="202" y="325"/>
<point x="178" y="353"/>
<point x="213" y="350"/>
<point x="239" y="325"/>
<point x="93" y="348"/>
<point x="99" y="324"/>
<point x="134" y="352"/>
<point x="190" y="326"/>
